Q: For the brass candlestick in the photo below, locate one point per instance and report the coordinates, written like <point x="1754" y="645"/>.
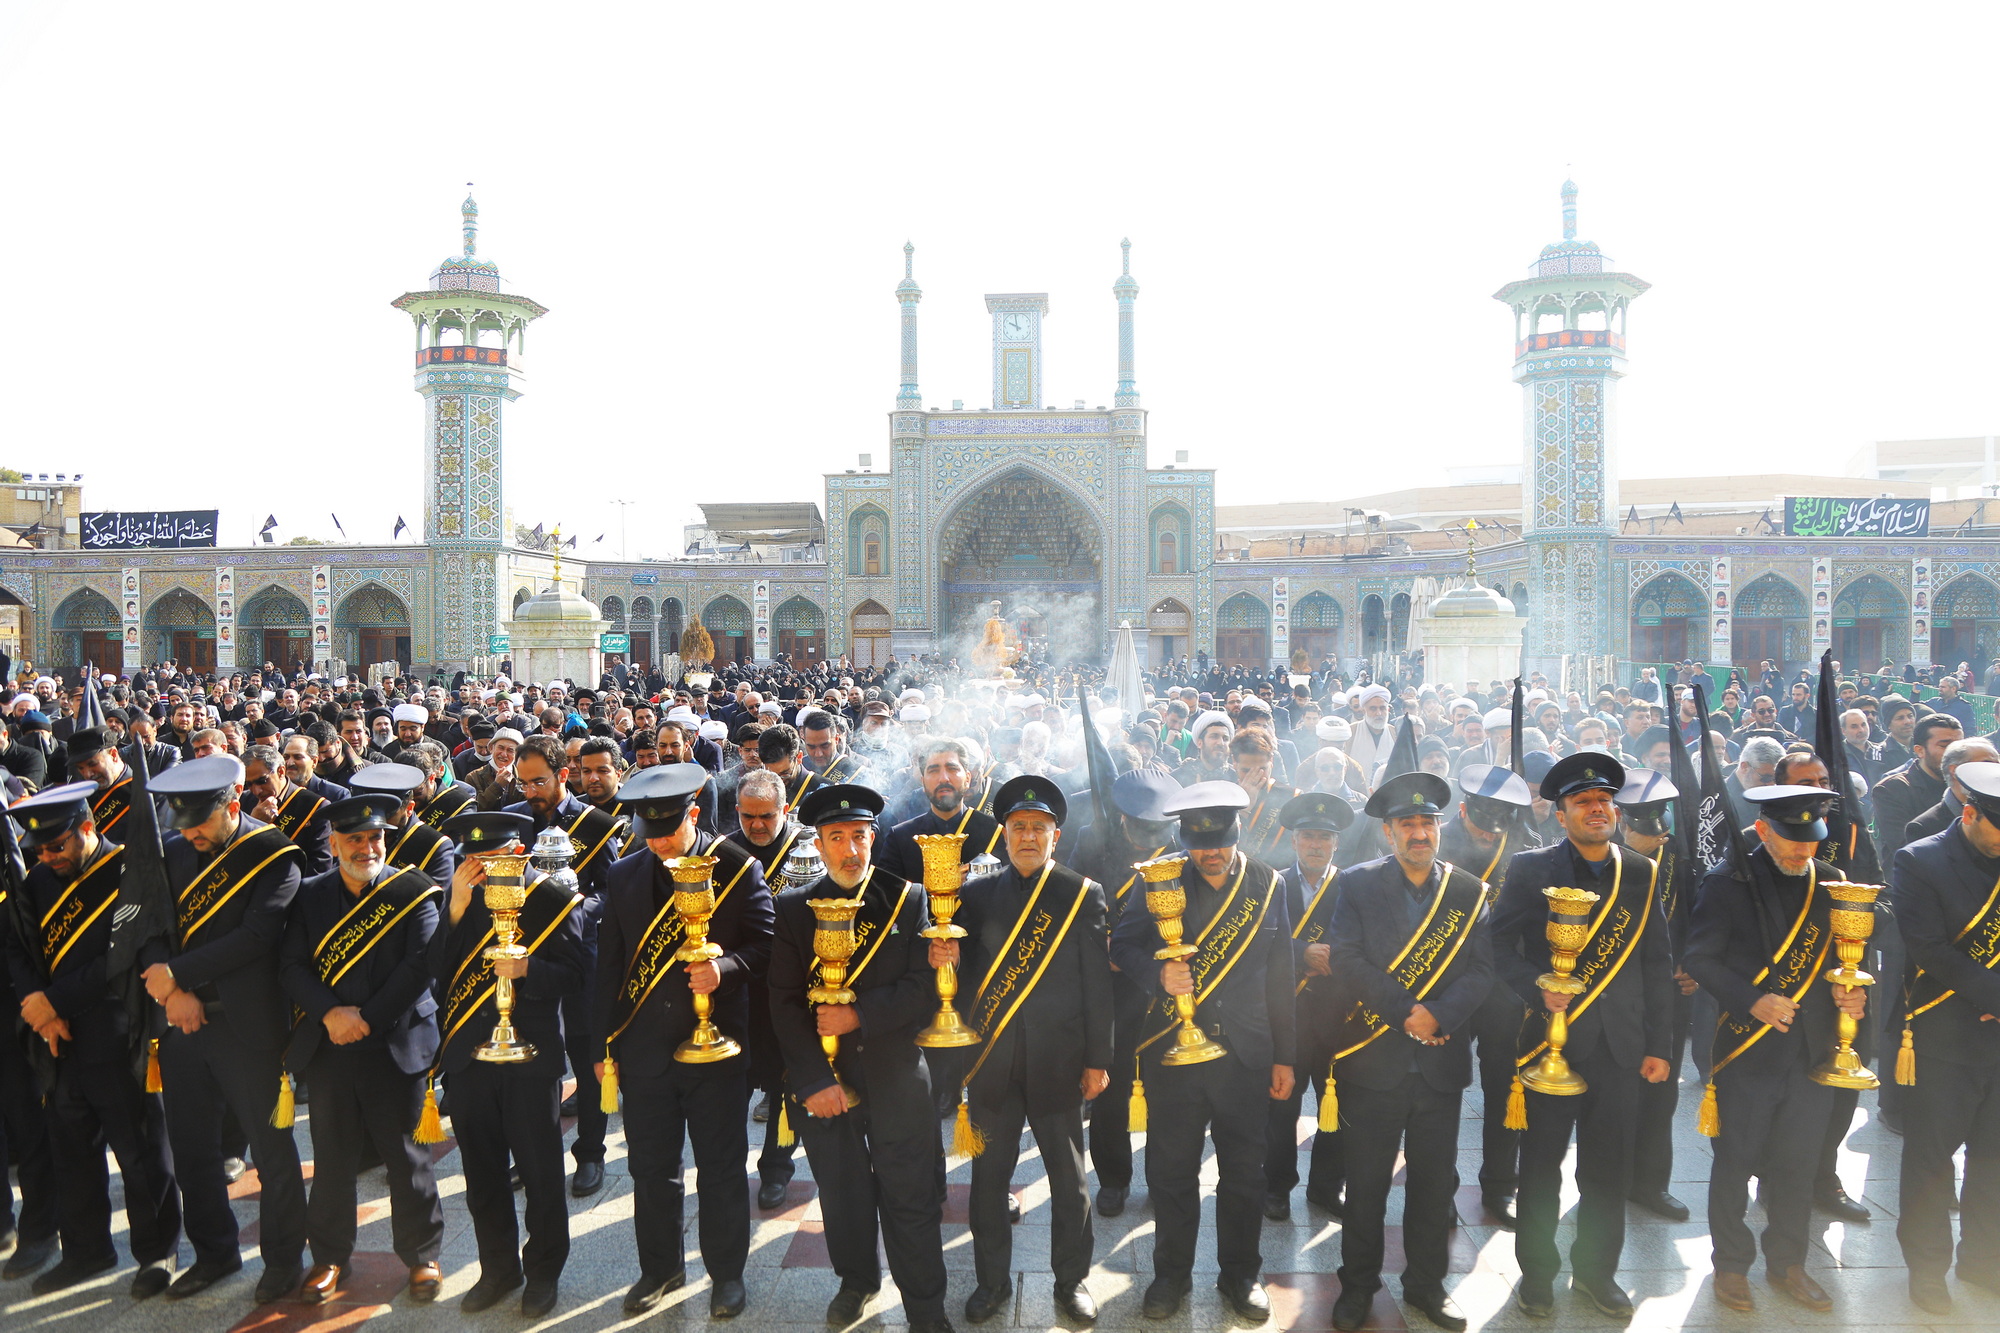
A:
<point x="506" y="895"/>
<point x="1569" y="928"/>
<point x="1852" y="921"/>
<point x="694" y="901"/>
<point x="833" y="944"/>
<point x="1167" y="900"/>
<point x="943" y="878"/>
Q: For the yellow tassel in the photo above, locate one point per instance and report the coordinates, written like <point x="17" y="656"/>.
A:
<point x="607" y="1087"/>
<point x="281" y="1114"/>
<point x="966" y="1140"/>
<point x="1709" y="1119"/>
<point x="153" y="1083"/>
<point x="430" y="1127"/>
<point x="785" y="1136"/>
<point x="1329" y="1107"/>
<point x="1906" y="1059"/>
<point x="1135" y="1115"/>
<point x="1517" y="1105"/>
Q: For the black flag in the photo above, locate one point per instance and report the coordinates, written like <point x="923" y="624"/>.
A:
<point x="1403" y="750"/>
<point x="93" y="707"/>
<point x="1854" y="849"/>
<point x="145" y="912"/>
<point x="400" y="526"/>
<point x="336" y="523"/>
<point x="1687" y="806"/>
<point x="1103" y="772"/>
<point x="1717" y="838"/>
<point x="1675" y="514"/>
<point x="1516" y="716"/>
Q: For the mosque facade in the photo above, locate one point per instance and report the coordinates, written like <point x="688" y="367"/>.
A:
<point x="1055" y="512"/>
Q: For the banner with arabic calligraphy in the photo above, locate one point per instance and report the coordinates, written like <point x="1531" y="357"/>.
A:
<point x="1819" y="516"/>
<point x="128" y="530"/>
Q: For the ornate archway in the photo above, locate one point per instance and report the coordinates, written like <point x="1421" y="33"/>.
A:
<point x="372" y="625"/>
<point x="1022" y="540"/>
<point x="1168" y="627"/>
<point x="868" y="635"/>
<point x="1243" y="632"/>
<point x="1871" y="622"/>
<point x="1669" y="622"/>
<point x="86" y="629"/>
<point x="1769" y="624"/>
<point x="1965" y="624"/>
<point x="272" y="626"/>
<point x="181" y="627"/>
<point x="798" y="631"/>
<point x="727" y="621"/>
<point x="1315" y="624"/>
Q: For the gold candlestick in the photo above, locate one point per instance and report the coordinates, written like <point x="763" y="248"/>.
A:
<point x="1852" y="922"/>
<point x="943" y="878"/>
<point x="1569" y="928"/>
<point x="1167" y="900"/>
<point x="506" y="895"/>
<point x="694" y="901"/>
<point x="833" y="944"/>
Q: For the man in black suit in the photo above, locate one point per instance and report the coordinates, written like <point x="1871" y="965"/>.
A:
<point x="1618" y="1031"/>
<point x="1410" y="951"/>
<point x="356" y="965"/>
<point x="1950" y="807"/>
<point x="294" y="811"/>
<point x="645" y="1007"/>
<point x="1907" y="793"/>
<point x="89" y="1052"/>
<point x="1240" y="977"/>
<point x="1945" y="906"/>
<point x="1035" y="937"/>
<point x="411" y="843"/>
<point x="502" y="1110"/>
<point x="301" y="755"/>
<point x="863" y="1107"/>
<point x="945" y="770"/>
<point x="1493" y="824"/>
<point x="1310" y="885"/>
<point x="233" y="879"/>
<point x="1759" y="944"/>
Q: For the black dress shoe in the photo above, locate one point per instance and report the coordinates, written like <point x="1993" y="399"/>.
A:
<point x="1111" y="1199"/>
<point x="588" y="1180"/>
<point x="1277" y="1207"/>
<point x="201" y="1277"/>
<point x="1246" y="1297"/>
<point x="1984" y="1279"/>
<point x="1536" y="1299"/>
<point x="846" y="1306"/>
<point x="1930" y="1294"/>
<point x="279" y="1281"/>
<point x="1662" y="1203"/>
<point x="152" y="1279"/>
<point x="1608" y="1297"/>
<point x="1890" y="1121"/>
<point x="539" y="1297"/>
<point x="771" y="1193"/>
<point x="233" y="1169"/>
<point x="1164" y="1296"/>
<point x="1075" y="1303"/>
<point x="1835" y="1202"/>
<point x="762" y="1115"/>
<point x="568" y="1108"/>
<point x="1439" y="1308"/>
<point x="72" y="1271"/>
<point x="1499" y="1207"/>
<point x="28" y="1256"/>
<point x="984" y="1303"/>
<point x="487" y="1293"/>
<point x="647" y="1293"/>
<point x="1351" y="1307"/>
<point x="1326" y="1202"/>
<point x="728" y="1299"/>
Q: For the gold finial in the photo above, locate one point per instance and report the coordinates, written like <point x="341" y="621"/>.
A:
<point x="1471" y="562"/>
<point x="556" y="537"/>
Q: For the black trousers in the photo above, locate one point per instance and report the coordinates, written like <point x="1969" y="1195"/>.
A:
<point x="1772" y="1125"/>
<point x="1422" y="1123"/>
<point x="204" y="1074"/>
<point x="99" y="1105"/>
<point x="1653" y="1152"/>
<point x="767" y="1075"/>
<point x="1110" y="1113"/>
<point x="584" y="1049"/>
<point x="999" y="1112"/>
<point x="1327" y="1171"/>
<point x="1951" y="1105"/>
<point x="877" y="1169"/>
<point x="499" y="1112"/>
<point x="1223" y="1101"/>
<point x="707" y="1105"/>
<point x="361" y="1100"/>
<point x="1496" y="1029"/>
<point x="1605" y="1122"/>
<point x="24" y="1133"/>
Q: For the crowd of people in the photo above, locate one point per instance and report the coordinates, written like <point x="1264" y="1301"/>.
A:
<point x="1184" y="903"/>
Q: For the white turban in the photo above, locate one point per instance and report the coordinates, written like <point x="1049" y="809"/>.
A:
<point x="1499" y="717"/>
<point x="1374" y="692"/>
<point x="915" y="713"/>
<point x="1209" y="719"/>
<point x="714" y="731"/>
<point x="1334" y="730"/>
<point x="410" y="713"/>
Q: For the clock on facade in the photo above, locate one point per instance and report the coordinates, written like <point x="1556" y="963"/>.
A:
<point x="1018" y="327"/>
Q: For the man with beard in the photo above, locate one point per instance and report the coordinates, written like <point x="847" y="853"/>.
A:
<point x="541" y="769"/>
<point x="944" y="770"/>
<point x="766" y="834"/>
<point x="93" y="758"/>
<point x="1252" y="757"/>
<point x="355" y="964"/>
<point x="412" y="844"/>
<point x="410" y="721"/>
<point x="826" y="751"/>
<point x="644" y="1005"/>
<point x="1212" y="733"/>
<point x="91" y="1076"/>
<point x="876" y="1157"/>
<point x="1489" y="829"/>
<point x="599" y="779"/>
<point x="1315" y="821"/>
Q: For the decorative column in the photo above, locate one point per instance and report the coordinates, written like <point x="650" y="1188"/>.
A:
<point x="1127" y="292"/>
<point x="907" y="295"/>
<point x="907" y="512"/>
<point x="1126" y="551"/>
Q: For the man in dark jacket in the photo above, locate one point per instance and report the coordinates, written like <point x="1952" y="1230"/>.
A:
<point x="1905" y="794"/>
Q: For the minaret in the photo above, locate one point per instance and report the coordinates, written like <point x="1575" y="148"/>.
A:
<point x="1569" y="354"/>
<point x="907" y="295"/>
<point x="465" y="387"/>
<point x="1127" y="291"/>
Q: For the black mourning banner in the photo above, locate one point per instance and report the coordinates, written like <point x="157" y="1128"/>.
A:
<point x="128" y="530"/>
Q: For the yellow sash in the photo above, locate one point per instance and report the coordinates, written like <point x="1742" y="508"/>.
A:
<point x="219" y="881"/>
<point x="1319" y="930"/>
<point x="1598" y="959"/>
<point x="73" y="913"/>
<point x="1209" y="958"/>
<point x="662" y="937"/>
<point x="1421" y="967"/>
<point x="1036" y="944"/>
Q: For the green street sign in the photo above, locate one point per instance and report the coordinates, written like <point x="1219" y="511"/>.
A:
<point x="614" y="643"/>
<point x="497" y="643"/>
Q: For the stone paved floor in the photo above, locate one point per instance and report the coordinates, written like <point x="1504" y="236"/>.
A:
<point x="1666" y="1266"/>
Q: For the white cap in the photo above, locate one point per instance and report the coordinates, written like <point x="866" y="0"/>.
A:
<point x="1374" y="692"/>
<point x="914" y="713"/>
<point x="507" y="734"/>
<point x="1535" y="696"/>
<point x="682" y="715"/>
<point x="714" y="731"/>
<point x="1499" y="717"/>
<point x="1209" y="719"/>
<point x="410" y="713"/>
<point x="1334" y="729"/>
<point x="770" y="708"/>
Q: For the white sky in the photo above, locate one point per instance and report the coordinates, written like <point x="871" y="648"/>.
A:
<point x="209" y="208"/>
